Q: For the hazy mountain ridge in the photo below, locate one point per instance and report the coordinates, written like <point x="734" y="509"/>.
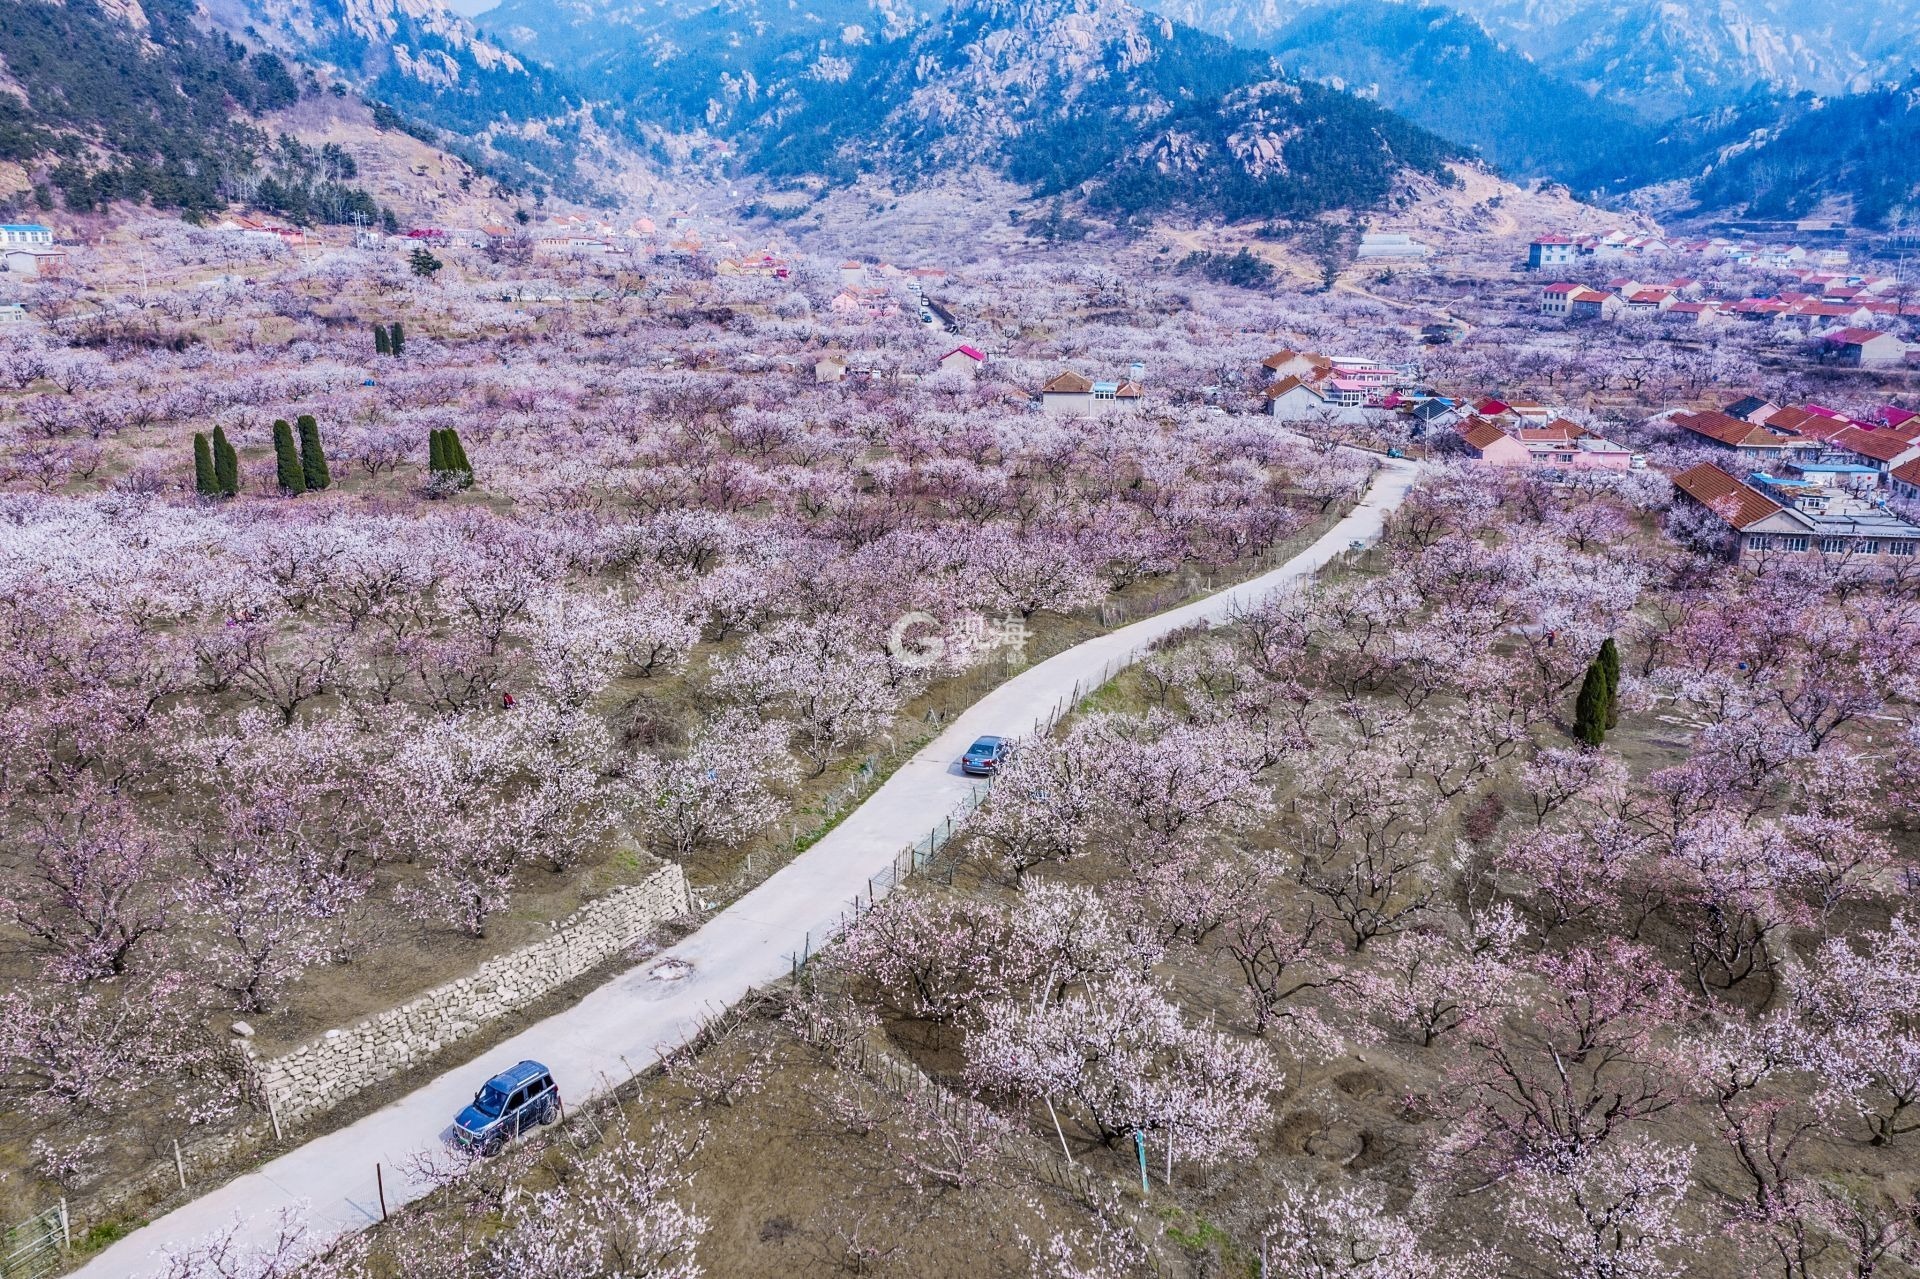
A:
<point x="1443" y="71"/>
<point x="1662" y="57"/>
<point x="1097" y="98"/>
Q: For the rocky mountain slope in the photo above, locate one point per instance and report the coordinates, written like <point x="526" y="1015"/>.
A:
<point x="421" y="59"/>
<point x="1095" y="99"/>
<point x="1660" y="57"/>
<point x="1442" y="70"/>
<point x="130" y="101"/>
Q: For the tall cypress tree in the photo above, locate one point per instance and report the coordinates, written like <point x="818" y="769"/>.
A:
<point x="380" y="344"/>
<point x="205" y="482"/>
<point x="226" y="464"/>
<point x="293" y="481"/>
<point x="1610" y="666"/>
<point x="396" y="339"/>
<point x="313" y="454"/>
<point x="457" y="458"/>
<point x="436" y="451"/>
<point x="1590" y="711"/>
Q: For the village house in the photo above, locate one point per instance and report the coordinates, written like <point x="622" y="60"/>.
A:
<point x="1293" y="398"/>
<point x="1866" y="348"/>
<point x="1747" y="439"/>
<point x="1551" y="251"/>
<point x="1752" y="408"/>
<point x="1903" y="481"/>
<point x="1297" y="364"/>
<point x="1557" y="298"/>
<point x="1810" y="518"/>
<point x="1556" y="445"/>
<point x="1069" y="393"/>
<point x="830" y="368"/>
<point x="24" y="234"/>
<point x="963" y="359"/>
<point x="33" y="260"/>
<point x="1591" y="304"/>
<point x="1488" y="443"/>
<point x="12" y="313"/>
<point x="1881" y="450"/>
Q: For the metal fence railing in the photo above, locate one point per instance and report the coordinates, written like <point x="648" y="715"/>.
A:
<point x="33" y="1248"/>
<point x="920" y="853"/>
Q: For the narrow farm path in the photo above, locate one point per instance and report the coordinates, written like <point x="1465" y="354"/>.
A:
<point x="620" y="1029"/>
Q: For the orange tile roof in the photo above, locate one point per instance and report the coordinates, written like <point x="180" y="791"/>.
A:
<point x="1726" y="430"/>
<point x="1068" y="383"/>
<point x="1479" y="433"/>
<point x="1881" y="446"/>
<point x="1725" y="496"/>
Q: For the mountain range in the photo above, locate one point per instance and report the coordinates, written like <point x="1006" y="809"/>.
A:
<point x="1746" y="108"/>
<point x="1238" y="109"/>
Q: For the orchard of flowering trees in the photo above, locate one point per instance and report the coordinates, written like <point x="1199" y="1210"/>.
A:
<point x="1328" y="910"/>
<point x="291" y="761"/>
<point x="1342" y="868"/>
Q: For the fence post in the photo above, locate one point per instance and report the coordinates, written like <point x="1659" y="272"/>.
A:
<point x="66" y="1226"/>
<point x="179" y="1164"/>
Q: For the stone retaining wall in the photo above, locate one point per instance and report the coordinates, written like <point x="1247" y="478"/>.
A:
<point x="321" y="1074"/>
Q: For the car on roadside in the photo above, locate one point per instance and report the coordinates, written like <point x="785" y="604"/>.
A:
<point x="984" y="757"/>
<point x="510" y="1103"/>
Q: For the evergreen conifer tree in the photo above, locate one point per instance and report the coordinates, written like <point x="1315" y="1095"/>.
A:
<point x="457" y="458"/>
<point x="293" y="481"/>
<point x="380" y="344"/>
<point x="396" y="339"/>
<point x="226" y="464"/>
<point x="1590" y="711"/>
<point x="1610" y="666"/>
<point x="436" y="451"/>
<point x="205" y="482"/>
<point x="313" y="454"/>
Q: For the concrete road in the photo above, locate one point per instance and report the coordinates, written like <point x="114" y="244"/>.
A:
<point x="620" y="1028"/>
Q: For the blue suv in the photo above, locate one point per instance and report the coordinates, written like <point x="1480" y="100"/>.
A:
<point x="511" y="1102"/>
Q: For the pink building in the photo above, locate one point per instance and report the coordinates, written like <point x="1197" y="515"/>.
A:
<point x="1559" y="445"/>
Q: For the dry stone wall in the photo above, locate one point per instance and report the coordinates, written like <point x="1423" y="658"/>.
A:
<point x="321" y="1074"/>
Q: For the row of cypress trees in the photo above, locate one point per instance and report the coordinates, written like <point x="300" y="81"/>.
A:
<point x="216" y="467"/>
<point x="1597" y="708"/>
<point x="302" y="467"/>
<point x="389" y="339"/>
<point x="300" y="460"/>
<point x="299" y="466"/>
<point x="447" y="456"/>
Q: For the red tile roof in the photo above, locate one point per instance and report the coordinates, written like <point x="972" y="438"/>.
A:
<point x="1854" y="337"/>
<point x="1725" y="496"/>
<point x="1881" y="446"/>
<point x="1907" y="472"/>
<point x="1068" y="383"/>
<point x="1479" y="433"/>
<point x="1727" y="430"/>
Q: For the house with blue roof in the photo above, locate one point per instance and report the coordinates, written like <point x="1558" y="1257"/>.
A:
<point x="24" y="233"/>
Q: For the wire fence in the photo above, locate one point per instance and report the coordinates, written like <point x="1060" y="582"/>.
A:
<point x="34" y="1247"/>
<point x="920" y="853"/>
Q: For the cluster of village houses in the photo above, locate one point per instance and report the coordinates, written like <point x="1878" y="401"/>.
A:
<point x="1794" y="477"/>
<point x="1805" y="477"/>
<point x="1853" y="314"/>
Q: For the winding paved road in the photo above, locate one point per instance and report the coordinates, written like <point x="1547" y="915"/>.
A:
<point x="618" y="1029"/>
